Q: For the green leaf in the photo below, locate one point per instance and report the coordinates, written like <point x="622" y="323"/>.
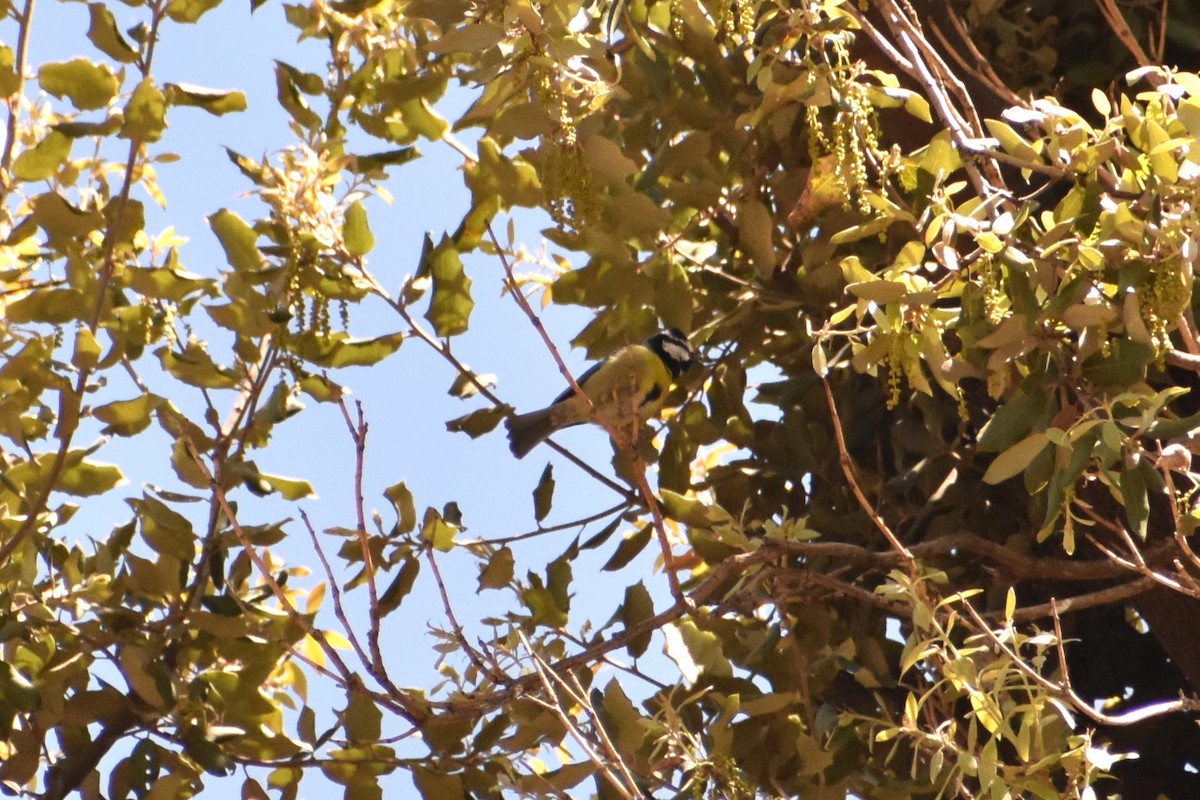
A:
<point x="437" y="532"/>
<point x="497" y="572"/>
<point x="76" y="129"/>
<point x="542" y="604"/>
<point x="695" y="652"/>
<point x="186" y="468"/>
<point x="290" y="488"/>
<point x="1135" y="499"/>
<point x="87" y="479"/>
<point x="247" y="166"/>
<point x="362" y="719"/>
<point x="437" y="786"/>
<point x="188" y="11"/>
<point x="419" y="116"/>
<point x="18" y="690"/>
<point x="43" y="160"/>
<point x="637" y="608"/>
<point x="86" y="84"/>
<point x="1012" y="142"/>
<point x="56" y="306"/>
<point x="166" y="531"/>
<point x="543" y="494"/>
<point x="400" y="586"/>
<point x="627" y="550"/>
<point x="371" y="162"/>
<point x="10" y="82"/>
<point x="471" y="38"/>
<point x="321" y="389"/>
<point x="1013" y="460"/>
<point x="756" y="234"/>
<point x="450" y="308"/>
<point x="478" y="422"/>
<point x="87" y="349"/>
<point x="1014" y="420"/>
<point x="145" y="113"/>
<point x="195" y="367"/>
<point x="366" y="352"/>
<point x="237" y="239"/>
<point x="357" y="233"/>
<point x="691" y="511"/>
<point x="288" y="82"/>
<point x="402" y="501"/>
<point x="107" y="37"/>
<point x="63" y="222"/>
<point x="603" y="535"/>
<point x="1123" y="363"/>
<point x="167" y="283"/>
<point x="215" y="101"/>
<point x="128" y="417"/>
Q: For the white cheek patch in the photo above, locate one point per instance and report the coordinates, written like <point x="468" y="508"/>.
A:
<point x="677" y="352"/>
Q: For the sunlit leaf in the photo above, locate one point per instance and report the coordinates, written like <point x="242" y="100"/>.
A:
<point x="359" y="239"/>
<point x="637" y="608"/>
<point x="188" y="11"/>
<point x="400" y="587"/>
<point x="145" y="113"/>
<point x="86" y="84"/>
<point x="1013" y="460"/>
<point x="450" y="309"/>
<point x="237" y="239"/>
<point x="543" y="494"/>
<point x="402" y="500"/>
<point x="44" y="159"/>
<point x="215" y="101"/>
<point x="104" y="33"/>
<point x="87" y="479"/>
<point x="437" y="532"/>
<point x="630" y="546"/>
<point x="497" y="573"/>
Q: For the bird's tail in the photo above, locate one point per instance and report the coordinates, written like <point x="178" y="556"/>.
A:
<point x="527" y="431"/>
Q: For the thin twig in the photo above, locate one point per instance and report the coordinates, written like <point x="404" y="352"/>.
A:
<point x="472" y="654"/>
<point x="399" y="702"/>
<point x="620" y="779"/>
<point x="358" y="433"/>
<point x="1120" y="28"/>
<point x="335" y="591"/>
<point x="848" y="470"/>
<point x="1064" y="690"/>
<point x="14" y="100"/>
<point x="575" y="523"/>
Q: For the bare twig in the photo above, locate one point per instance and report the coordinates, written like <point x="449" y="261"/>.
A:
<point x="358" y="432"/>
<point x="610" y="764"/>
<point x="1120" y="28"/>
<point x="575" y="523"/>
<point x="20" y="59"/>
<point x="1103" y="597"/>
<point x="473" y="655"/>
<point x="335" y="591"/>
<point x="848" y="470"/>
<point x="1131" y="717"/>
<point x="1063" y="688"/>
<point x="70" y="402"/>
<point x="399" y="702"/>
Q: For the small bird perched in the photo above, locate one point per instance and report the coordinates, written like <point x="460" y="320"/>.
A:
<point x="633" y="379"/>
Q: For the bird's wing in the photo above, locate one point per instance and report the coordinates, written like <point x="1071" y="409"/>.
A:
<point x="581" y="380"/>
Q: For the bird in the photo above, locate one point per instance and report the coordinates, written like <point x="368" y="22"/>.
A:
<point x="635" y="377"/>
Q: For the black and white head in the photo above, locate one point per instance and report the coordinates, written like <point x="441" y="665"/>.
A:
<point x="672" y="347"/>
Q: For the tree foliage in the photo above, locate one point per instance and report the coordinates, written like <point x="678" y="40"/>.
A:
<point x="923" y="518"/>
